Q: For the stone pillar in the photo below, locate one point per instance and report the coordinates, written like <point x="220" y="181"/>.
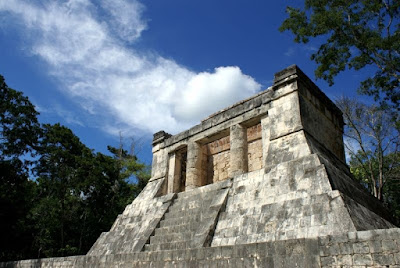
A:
<point x="173" y="169"/>
<point x="160" y="156"/>
<point x="193" y="166"/>
<point x="238" y="150"/>
<point x="265" y="132"/>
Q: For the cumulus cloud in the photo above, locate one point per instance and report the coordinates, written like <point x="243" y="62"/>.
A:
<point x="206" y="91"/>
<point x="91" y="51"/>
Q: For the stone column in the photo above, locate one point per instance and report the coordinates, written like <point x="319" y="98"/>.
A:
<point x="193" y="165"/>
<point x="160" y="156"/>
<point x="238" y="150"/>
<point x="173" y="173"/>
<point x="265" y="132"/>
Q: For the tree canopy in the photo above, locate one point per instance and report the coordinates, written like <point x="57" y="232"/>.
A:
<point x="19" y="136"/>
<point x="19" y="125"/>
<point x="356" y="34"/>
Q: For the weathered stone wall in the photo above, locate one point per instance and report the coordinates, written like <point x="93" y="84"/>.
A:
<point x="160" y="156"/>
<point x="287" y="202"/>
<point x="319" y="116"/>
<point x="340" y="179"/>
<point x="255" y="155"/>
<point x="254" y="147"/>
<point x="376" y="248"/>
<point x="320" y="122"/>
<point x="217" y="160"/>
<point x="133" y="227"/>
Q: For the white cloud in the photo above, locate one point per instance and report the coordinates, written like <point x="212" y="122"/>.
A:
<point x="125" y="18"/>
<point x="208" y="92"/>
<point x="88" y="53"/>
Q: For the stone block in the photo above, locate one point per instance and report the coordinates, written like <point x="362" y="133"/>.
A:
<point x="212" y="253"/>
<point x="328" y="261"/>
<point x="383" y="259"/>
<point x="344" y="260"/>
<point x="396" y="257"/>
<point x="365" y="235"/>
<point x="295" y="247"/>
<point x="346" y="248"/>
<point x="227" y="252"/>
<point x="389" y="246"/>
<point x="362" y="259"/>
<point x="361" y="247"/>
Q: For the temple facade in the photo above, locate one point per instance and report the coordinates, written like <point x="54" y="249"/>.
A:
<point x="262" y="183"/>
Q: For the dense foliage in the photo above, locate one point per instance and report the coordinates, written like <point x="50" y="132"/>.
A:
<point x="356" y="34"/>
<point x="56" y="194"/>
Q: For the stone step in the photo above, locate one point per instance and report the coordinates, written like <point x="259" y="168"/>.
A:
<point x="171" y="238"/>
<point x="205" y="189"/>
<point x="198" y="204"/>
<point x="167" y="246"/>
<point x="184" y="213"/>
<point x="180" y="220"/>
<point x="197" y="197"/>
<point x="191" y="227"/>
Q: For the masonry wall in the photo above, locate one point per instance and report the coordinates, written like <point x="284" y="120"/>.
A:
<point x="254" y="147"/>
<point x="320" y="120"/>
<point x="375" y="248"/>
<point x="217" y="160"/>
<point x="286" y="203"/>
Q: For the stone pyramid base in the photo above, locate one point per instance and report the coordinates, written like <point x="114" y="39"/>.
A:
<point x="375" y="248"/>
<point x="279" y="194"/>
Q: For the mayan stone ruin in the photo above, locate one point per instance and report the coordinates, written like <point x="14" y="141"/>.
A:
<point x="262" y="183"/>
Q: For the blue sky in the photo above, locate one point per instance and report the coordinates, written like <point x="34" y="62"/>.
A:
<point x="109" y="66"/>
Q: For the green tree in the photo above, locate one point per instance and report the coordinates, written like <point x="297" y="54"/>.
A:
<point x="372" y="142"/>
<point x="19" y="133"/>
<point x="19" y="125"/>
<point x="391" y="171"/>
<point x="105" y="194"/>
<point x="131" y="168"/>
<point x="76" y="193"/>
<point x="80" y="193"/>
<point x="129" y="165"/>
<point x="356" y="34"/>
<point x="63" y="160"/>
<point x="392" y="189"/>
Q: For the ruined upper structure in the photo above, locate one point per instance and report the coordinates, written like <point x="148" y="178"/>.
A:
<point x="265" y="130"/>
<point x="261" y="183"/>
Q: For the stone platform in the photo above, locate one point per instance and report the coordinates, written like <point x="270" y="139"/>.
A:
<point x="375" y="248"/>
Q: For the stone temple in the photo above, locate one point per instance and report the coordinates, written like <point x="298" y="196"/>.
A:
<point x="262" y="183"/>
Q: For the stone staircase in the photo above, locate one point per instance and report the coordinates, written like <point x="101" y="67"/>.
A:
<point x="182" y="226"/>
